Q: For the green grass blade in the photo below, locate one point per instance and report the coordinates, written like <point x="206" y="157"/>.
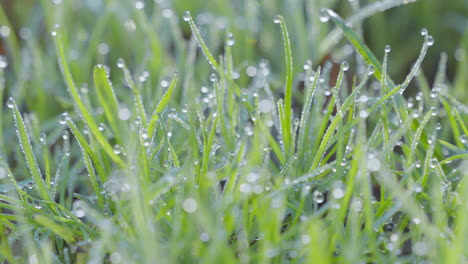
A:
<point x="87" y="117"/>
<point x="28" y="153"/>
<point x="161" y="106"/>
<point x="289" y="85"/>
<point x="107" y="97"/>
<point x="136" y="92"/>
<point x="209" y="57"/>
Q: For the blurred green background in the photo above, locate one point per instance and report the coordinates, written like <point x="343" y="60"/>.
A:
<point x="153" y="38"/>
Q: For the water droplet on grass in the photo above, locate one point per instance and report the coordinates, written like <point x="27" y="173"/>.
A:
<point x="430" y="41"/>
<point x="423" y="32"/>
<point x="63" y="118"/>
<point x="213" y="77"/>
<point x="388" y="49"/>
<point x="3" y="62"/>
<point x="324" y="17"/>
<point x="42" y="138"/>
<point x="345" y="65"/>
<point x="230" y="39"/>
<point x="371" y="70"/>
<point x="319" y="197"/>
<point x="187" y="16"/>
<point x="120" y="63"/>
<point x="117" y="149"/>
<point x="10" y="102"/>
<point x="55" y="29"/>
<point x="277" y="19"/>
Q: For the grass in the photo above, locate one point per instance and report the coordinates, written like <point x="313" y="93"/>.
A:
<point x="157" y="137"/>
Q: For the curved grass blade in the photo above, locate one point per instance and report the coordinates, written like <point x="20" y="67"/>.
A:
<point x="87" y="117"/>
<point x="379" y="6"/>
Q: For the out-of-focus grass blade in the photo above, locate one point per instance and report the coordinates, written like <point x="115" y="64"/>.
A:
<point x="56" y="228"/>
<point x="28" y="153"/>
<point x="87" y="117"/>
<point x="161" y="106"/>
<point x="12" y="41"/>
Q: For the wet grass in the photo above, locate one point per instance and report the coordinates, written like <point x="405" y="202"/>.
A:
<point x="189" y="146"/>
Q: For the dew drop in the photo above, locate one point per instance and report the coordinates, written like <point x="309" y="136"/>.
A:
<point x="423" y="32"/>
<point x="187" y="16"/>
<point x="430" y="41"/>
<point x="388" y="49"/>
<point x="55" y="29"/>
<point x="3" y="62"/>
<point x="213" y="77"/>
<point x="371" y="70"/>
<point x="42" y="138"/>
<point x="117" y="149"/>
<point x="230" y="39"/>
<point x="277" y="19"/>
<point x="307" y="65"/>
<point x="63" y="118"/>
<point x="324" y="17"/>
<point x="120" y="63"/>
<point x="345" y="65"/>
<point x="319" y="197"/>
<point x="11" y="102"/>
